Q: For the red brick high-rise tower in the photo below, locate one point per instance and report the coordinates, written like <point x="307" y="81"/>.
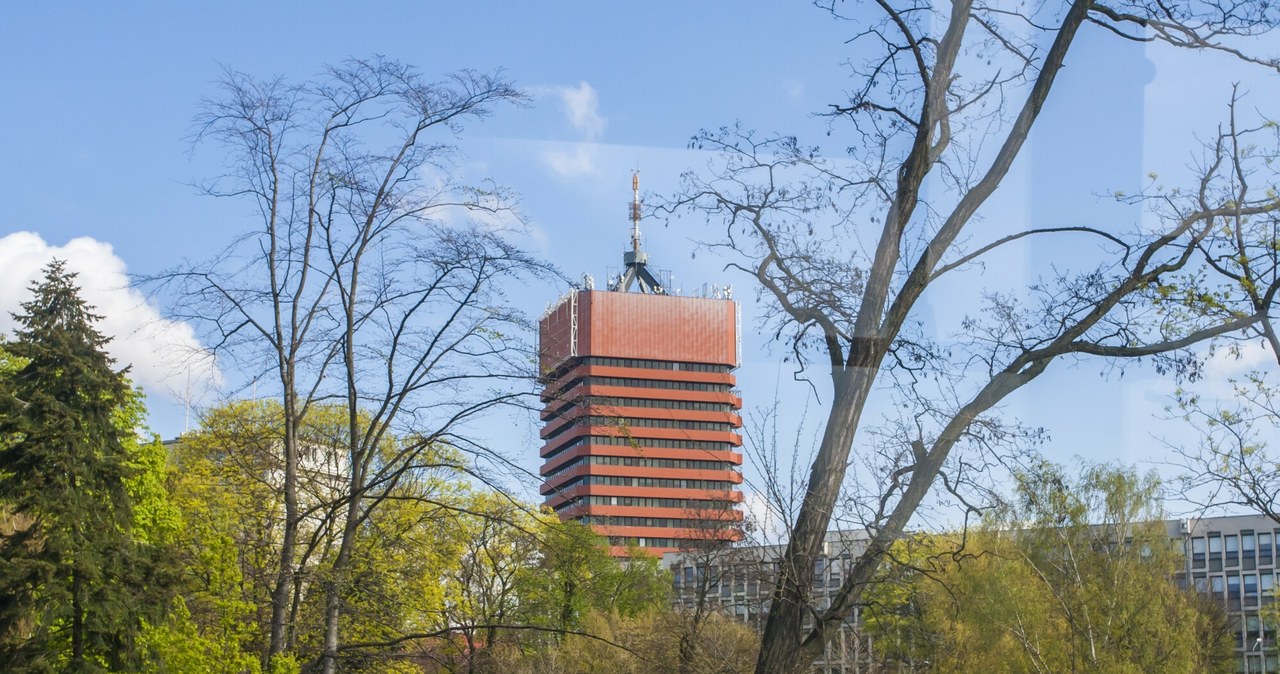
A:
<point x="640" y="418"/>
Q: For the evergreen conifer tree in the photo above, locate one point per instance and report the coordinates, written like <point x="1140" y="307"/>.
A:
<point x="70" y="571"/>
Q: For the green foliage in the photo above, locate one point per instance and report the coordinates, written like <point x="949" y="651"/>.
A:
<point x="227" y="487"/>
<point x="285" y="663"/>
<point x="156" y="519"/>
<point x="1270" y="612"/>
<point x="512" y="566"/>
<point x="1074" y="575"/>
<point x="78" y="576"/>
<point x="574" y="574"/>
<point x="645" y="643"/>
<point x="9" y="363"/>
<point x="397" y="579"/>
<point x="229" y="514"/>
<point x="178" y="646"/>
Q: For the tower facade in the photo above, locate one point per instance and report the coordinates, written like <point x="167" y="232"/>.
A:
<point x="640" y="419"/>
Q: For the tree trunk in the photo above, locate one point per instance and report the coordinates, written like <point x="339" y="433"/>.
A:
<point x="333" y="588"/>
<point x="281" y="595"/>
<point x="780" y="647"/>
<point x="77" y="622"/>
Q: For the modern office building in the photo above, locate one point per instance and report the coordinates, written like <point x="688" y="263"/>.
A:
<point x="640" y="419"/>
<point x="1236" y="562"/>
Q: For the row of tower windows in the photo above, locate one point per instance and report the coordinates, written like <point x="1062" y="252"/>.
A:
<point x="667" y="483"/>
<point x="693" y="405"/>
<point x="632" y="422"/>
<point x="655" y="364"/>
<point x="663" y="522"/>
<point x="647" y="542"/>
<point x="643" y="443"/>
<point x="1249" y="586"/>
<point x="651" y="383"/>
<point x="635" y="422"/>
<point x="1248" y="549"/>
<point x="688" y="464"/>
<point x="647" y="502"/>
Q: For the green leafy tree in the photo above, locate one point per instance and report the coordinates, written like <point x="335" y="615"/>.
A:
<point x="76" y="582"/>
<point x="645" y="643"/>
<point x="573" y="574"/>
<point x="522" y="582"/>
<point x="220" y="513"/>
<point x="1076" y="575"/>
<point x="440" y="571"/>
<point x="227" y="483"/>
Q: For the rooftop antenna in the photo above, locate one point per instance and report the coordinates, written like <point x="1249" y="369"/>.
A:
<point x="635" y="211"/>
<point x="636" y="259"/>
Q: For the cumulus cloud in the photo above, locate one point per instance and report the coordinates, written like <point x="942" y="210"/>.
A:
<point x="164" y="355"/>
<point x="582" y="108"/>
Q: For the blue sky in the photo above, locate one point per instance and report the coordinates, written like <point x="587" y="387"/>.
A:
<point x="99" y="97"/>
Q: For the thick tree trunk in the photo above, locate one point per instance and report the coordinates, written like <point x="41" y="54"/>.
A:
<point x="784" y="630"/>
<point x="787" y="647"/>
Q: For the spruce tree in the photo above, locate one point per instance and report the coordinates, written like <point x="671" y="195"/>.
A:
<point x="69" y="568"/>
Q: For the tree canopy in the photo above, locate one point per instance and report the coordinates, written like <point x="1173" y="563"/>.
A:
<point x="81" y="572"/>
<point x="1075" y="574"/>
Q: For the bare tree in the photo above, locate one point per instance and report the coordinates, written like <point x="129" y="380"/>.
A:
<point x="706" y="567"/>
<point x="366" y="282"/>
<point x="1233" y="463"/>
<point x="940" y="110"/>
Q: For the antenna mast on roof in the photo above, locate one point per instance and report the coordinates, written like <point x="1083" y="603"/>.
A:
<point x="635" y="211"/>
<point x="636" y="259"/>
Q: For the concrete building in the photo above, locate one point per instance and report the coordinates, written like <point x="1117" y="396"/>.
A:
<point x="640" y="435"/>
<point x="1233" y="560"/>
<point x="739" y="582"/>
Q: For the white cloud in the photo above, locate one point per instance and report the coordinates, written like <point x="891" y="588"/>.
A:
<point x="581" y="160"/>
<point x="582" y="104"/>
<point x="582" y="108"/>
<point x="1228" y="363"/>
<point x="165" y="356"/>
